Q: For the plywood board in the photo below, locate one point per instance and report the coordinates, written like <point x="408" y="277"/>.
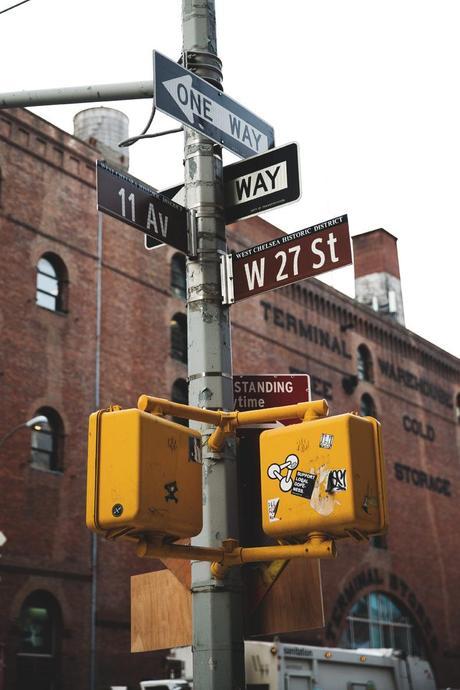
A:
<point x="161" y="607"/>
<point x="161" y="612"/>
<point x="293" y="603"/>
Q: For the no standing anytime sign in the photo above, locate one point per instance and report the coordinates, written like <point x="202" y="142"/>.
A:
<point x="287" y="259"/>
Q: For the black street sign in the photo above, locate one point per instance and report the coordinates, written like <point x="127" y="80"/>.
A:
<point x="257" y="184"/>
<point x="261" y="183"/>
<point x="286" y="259"/>
<point x="199" y="105"/>
<point x="128" y="199"/>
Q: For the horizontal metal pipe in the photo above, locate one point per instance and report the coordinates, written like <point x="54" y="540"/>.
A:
<point x="191" y="553"/>
<point x="77" y="94"/>
<point x="148" y="403"/>
<point x="309" y="410"/>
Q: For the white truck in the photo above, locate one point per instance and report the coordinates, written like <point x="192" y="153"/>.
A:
<point x="283" y="666"/>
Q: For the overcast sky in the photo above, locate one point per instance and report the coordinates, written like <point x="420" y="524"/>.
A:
<point x="368" y="89"/>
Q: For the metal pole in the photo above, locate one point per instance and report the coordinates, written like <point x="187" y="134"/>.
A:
<point x="97" y="403"/>
<point x="218" y="648"/>
<point x="77" y="94"/>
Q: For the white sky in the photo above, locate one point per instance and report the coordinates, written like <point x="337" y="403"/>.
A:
<point x="368" y="88"/>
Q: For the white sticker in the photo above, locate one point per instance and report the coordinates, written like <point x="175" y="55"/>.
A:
<point x="326" y="441"/>
<point x="273" y="504"/>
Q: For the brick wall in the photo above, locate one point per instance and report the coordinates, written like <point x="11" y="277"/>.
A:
<point x="47" y="204"/>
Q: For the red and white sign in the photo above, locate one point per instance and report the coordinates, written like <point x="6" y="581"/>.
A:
<point x="258" y="391"/>
<point x="286" y="259"/>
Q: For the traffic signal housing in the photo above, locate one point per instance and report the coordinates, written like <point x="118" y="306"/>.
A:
<point x="144" y="476"/>
<point x="325" y="475"/>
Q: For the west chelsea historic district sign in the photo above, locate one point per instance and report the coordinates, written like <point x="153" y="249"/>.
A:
<point x="286" y="259"/>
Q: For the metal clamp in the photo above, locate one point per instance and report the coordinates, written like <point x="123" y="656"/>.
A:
<point x="226" y="279"/>
<point x="192" y="242"/>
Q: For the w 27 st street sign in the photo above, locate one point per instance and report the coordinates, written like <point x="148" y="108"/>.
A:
<point x="286" y="259"/>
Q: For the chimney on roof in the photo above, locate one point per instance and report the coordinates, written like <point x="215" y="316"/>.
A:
<point x="104" y="128"/>
<point x="377" y="278"/>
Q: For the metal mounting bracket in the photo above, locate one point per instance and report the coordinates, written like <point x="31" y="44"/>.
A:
<point x="226" y="279"/>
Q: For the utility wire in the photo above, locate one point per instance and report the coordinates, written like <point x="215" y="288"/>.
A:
<point x="129" y="142"/>
<point x="13" y="6"/>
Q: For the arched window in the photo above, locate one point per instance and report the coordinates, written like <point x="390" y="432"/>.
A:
<point x="376" y="620"/>
<point x="179" y="394"/>
<point x="178" y="280"/>
<point x="52" y="283"/>
<point x="179" y="337"/>
<point x="364" y="364"/>
<point x="47" y="442"/>
<point x="367" y="406"/>
<point x="39" y="651"/>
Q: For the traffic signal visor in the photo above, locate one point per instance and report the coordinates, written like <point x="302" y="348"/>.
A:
<point x="144" y="476"/>
<point x="325" y="475"/>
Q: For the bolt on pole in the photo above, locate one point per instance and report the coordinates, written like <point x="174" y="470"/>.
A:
<point x="218" y="646"/>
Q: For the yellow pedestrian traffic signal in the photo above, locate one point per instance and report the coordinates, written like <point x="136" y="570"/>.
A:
<point x="324" y="475"/>
<point x="144" y="476"/>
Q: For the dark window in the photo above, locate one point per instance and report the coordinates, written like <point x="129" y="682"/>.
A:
<point x="377" y="621"/>
<point x="47" y="442"/>
<point x="457" y="408"/>
<point x="379" y="542"/>
<point x="39" y="651"/>
<point x="179" y="394"/>
<point x="367" y="406"/>
<point x="51" y="283"/>
<point x="179" y="337"/>
<point x="364" y="364"/>
<point x="178" y="280"/>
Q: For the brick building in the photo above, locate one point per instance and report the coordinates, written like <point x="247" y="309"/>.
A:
<point x="89" y="317"/>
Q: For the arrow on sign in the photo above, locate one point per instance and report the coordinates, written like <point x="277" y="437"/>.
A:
<point x="180" y="93"/>
<point x="192" y="102"/>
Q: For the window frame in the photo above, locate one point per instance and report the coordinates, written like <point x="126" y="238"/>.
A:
<point x="383" y="622"/>
<point x="178" y="287"/>
<point x="56" y="432"/>
<point x="178" y="326"/>
<point x="61" y="279"/>
<point x="364" y="364"/>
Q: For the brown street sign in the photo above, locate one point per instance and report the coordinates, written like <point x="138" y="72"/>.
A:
<point x="128" y="199"/>
<point x="286" y="259"/>
<point x="256" y="391"/>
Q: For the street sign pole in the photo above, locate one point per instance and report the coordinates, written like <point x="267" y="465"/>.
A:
<point x="218" y="647"/>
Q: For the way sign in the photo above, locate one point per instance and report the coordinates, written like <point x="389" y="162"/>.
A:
<point x="257" y="184"/>
<point x="128" y="199"/>
<point x="191" y="100"/>
<point x="261" y="183"/>
<point x="286" y="259"/>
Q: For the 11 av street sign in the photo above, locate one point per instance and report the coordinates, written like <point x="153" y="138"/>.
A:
<point x="286" y="259"/>
<point x="128" y="199"/>
<point x="199" y="105"/>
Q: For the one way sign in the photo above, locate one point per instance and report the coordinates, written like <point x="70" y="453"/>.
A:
<point x="191" y="100"/>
